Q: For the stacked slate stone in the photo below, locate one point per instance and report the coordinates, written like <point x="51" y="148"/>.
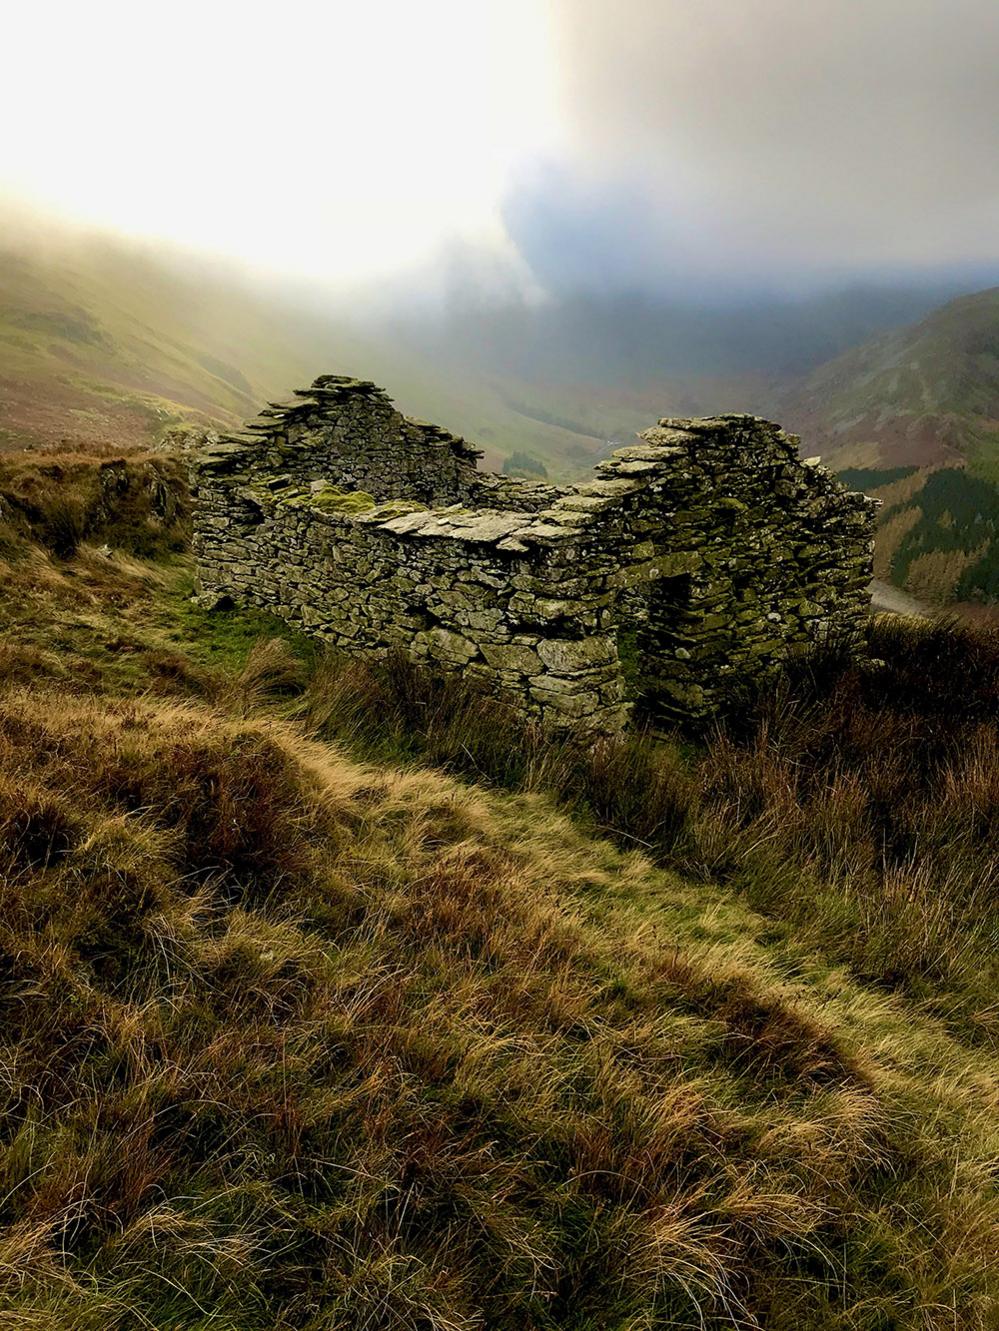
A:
<point x="349" y="426"/>
<point x="778" y="554"/>
<point x="708" y="551"/>
<point x="496" y="594"/>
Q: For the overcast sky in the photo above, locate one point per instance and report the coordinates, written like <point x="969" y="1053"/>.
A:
<point x="601" y="142"/>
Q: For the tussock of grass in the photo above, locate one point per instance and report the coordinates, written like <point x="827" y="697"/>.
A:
<point x="292" y="1042"/>
<point x="855" y="803"/>
<point x="859" y="802"/>
<point x="637" y="789"/>
<point x="137" y="503"/>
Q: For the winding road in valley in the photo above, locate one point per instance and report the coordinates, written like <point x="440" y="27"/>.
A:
<point x="897" y="602"/>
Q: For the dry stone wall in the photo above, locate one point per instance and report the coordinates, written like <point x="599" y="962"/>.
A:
<point x="690" y="564"/>
<point x="349" y="429"/>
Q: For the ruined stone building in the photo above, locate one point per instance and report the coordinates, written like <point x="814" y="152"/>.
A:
<point x="688" y="565"/>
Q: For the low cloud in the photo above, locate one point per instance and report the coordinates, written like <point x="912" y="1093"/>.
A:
<point x="754" y="141"/>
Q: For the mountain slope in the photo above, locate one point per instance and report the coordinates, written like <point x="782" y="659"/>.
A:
<point x="924" y="395"/>
<point x="106" y="343"/>
<point x="912" y="417"/>
<point x="101" y="343"/>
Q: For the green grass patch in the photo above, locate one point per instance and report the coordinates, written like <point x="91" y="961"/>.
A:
<point x="221" y="638"/>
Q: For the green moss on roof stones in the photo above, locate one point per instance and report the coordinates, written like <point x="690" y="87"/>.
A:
<point x="331" y="499"/>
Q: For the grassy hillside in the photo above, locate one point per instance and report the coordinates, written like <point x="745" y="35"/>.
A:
<point x="99" y="343"/>
<point x="105" y="343"/>
<point x="913" y="417"/>
<point x="923" y="395"/>
<point x="329" y="1000"/>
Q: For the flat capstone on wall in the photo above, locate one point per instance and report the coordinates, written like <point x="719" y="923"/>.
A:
<point x="690" y="564"/>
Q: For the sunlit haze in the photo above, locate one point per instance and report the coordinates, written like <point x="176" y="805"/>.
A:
<point x="600" y="144"/>
<point x="335" y="140"/>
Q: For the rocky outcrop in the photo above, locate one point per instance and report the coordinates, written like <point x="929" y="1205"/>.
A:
<point x="689" y="565"/>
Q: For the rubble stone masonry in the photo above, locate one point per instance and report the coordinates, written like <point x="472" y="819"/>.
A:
<point x="687" y="566"/>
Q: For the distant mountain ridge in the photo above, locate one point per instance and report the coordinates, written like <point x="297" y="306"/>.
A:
<point x="922" y="395"/>
<point x="103" y="343"/>
<point x="913" y="418"/>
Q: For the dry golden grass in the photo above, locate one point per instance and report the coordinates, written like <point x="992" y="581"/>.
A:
<point x="852" y="803"/>
<point x="300" y="1034"/>
<point x="290" y="1041"/>
<point x="137" y="500"/>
